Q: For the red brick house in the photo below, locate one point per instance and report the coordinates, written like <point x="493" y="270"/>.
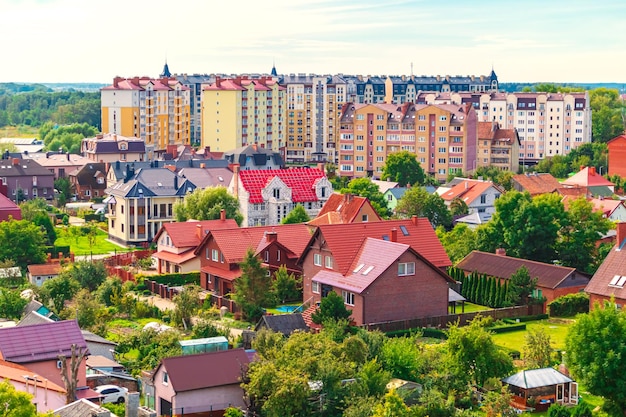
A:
<point x="379" y="280"/>
<point x="221" y="251"/>
<point x="617" y="156"/>
<point x="609" y="279"/>
<point x="553" y="281"/>
<point x="536" y="183"/>
<point x="346" y="208"/>
<point x="176" y="243"/>
<point x="89" y="181"/>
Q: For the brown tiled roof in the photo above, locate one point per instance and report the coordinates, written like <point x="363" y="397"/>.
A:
<point x="485" y="131"/>
<point x="40" y="342"/>
<point x="344" y="240"/>
<point x="44" y="269"/>
<point x="614" y="264"/>
<point x="501" y="266"/>
<point x="347" y="206"/>
<point x="537" y="183"/>
<point x="205" y="370"/>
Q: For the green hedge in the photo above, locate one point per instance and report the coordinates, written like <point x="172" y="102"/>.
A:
<point x="507" y="328"/>
<point x="173" y="280"/>
<point x="569" y="305"/>
<point x="54" y="251"/>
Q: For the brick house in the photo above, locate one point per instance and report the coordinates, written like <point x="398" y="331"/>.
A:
<point x="221" y="251"/>
<point x="176" y="243"/>
<point x="25" y="179"/>
<point x="535" y="183"/>
<point x="553" y="281"/>
<point x="617" y="156"/>
<point x="89" y="181"/>
<point x="608" y="281"/>
<point x="346" y="208"/>
<point x="379" y="280"/>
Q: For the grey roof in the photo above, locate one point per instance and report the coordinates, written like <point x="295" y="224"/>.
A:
<point x="22" y="167"/>
<point x="454" y="296"/>
<point x="81" y="408"/>
<point x="283" y="323"/>
<point x="535" y="378"/>
<point x="397" y="192"/>
<point x="475" y="218"/>
<point x="120" y="168"/>
<point x="33" y="318"/>
<point x="152" y="182"/>
<point x="207" y="177"/>
<point x="258" y="157"/>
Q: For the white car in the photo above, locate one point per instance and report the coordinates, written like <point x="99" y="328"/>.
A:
<point x="112" y="393"/>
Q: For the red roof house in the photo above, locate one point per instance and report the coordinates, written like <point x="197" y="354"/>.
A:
<point x="588" y="177"/>
<point x="536" y="183"/>
<point x="200" y="384"/>
<point x="617" y="156"/>
<point x="9" y="209"/>
<point x="267" y="196"/>
<point x="176" y="243"/>
<point x="346" y="208"/>
<point x="47" y="395"/>
<point x="38" y="274"/>
<point x="480" y="196"/>
<point x="610" y="279"/>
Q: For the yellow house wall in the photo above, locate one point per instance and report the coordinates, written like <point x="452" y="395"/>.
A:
<point x="227" y="121"/>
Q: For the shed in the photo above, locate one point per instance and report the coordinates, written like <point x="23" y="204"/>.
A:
<point x="282" y="323"/>
<point x="539" y="388"/>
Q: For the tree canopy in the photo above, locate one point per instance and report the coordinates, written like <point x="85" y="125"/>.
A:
<point x="252" y="290"/>
<point x="403" y="168"/>
<point x="364" y="187"/>
<point x="65" y="137"/>
<point x="297" y="215"/>
<point x="206" y="204"/>
<point x="416" y="201"/>
<point x="23" y="243"/>
<point x="606" y="116"/>
<point x="15" y="403"/>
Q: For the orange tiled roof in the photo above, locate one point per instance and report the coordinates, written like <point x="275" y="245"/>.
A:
<point x="606" y="206"/>
<point x="467" y="190"/>
<point x="15" y="372"/>
<point x="346" y="206"/>
<point x="300" y="180"/>
<point x="588" y="177"/>
<point x="44" y="269"/>
<point x="537" y="183"/>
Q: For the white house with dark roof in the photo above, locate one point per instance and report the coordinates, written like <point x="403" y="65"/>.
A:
<point x="111" y="147"/>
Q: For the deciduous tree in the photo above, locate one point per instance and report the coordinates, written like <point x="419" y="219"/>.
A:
<point x="59" y="290"/>
<point x="537" y="349"/>
<point x="206" y="204"/>
<point x="23" y="243"/>
<point x="14" y="403"/>
<point x="364" y="187"/>
<point x="187" y="303"/>
<point x="331" y="307"/>
<point x="458" y="242"/>
<point x="416" y="201"/>
<point x="403" y="168"/>
<point x="297" y="215"/>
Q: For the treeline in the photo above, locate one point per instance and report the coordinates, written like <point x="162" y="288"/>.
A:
<point x="40" y="105"/>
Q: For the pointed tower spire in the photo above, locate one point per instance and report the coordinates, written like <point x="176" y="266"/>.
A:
<point x="273" y="73"/>
<point x="166" y="71"/>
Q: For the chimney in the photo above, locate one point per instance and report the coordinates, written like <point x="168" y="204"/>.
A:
<point x="620" y="228"/>
<point x="218" y="82"/>
<point x="203" y="165"/>
<point x="135" y="81"/>
<point x="16" y="161"/>
<point x="68" y="156"/>
<point x="223" y="215"/>
<point x="592" y="170"/>
<point x="320" y="166"/>
<point x="116" y="81"/>
<point x="236" y="181"/>
<point x="394" y="235"/>
<point x="347" y="197"/>
<point x="255" y="147"/>
<point x="176" y="182"/>
<point x="501" y="251"/>
<point x="199" y="231"/>
<point x="107" y="166"/>
<point x="271" y="236"/>
<point x="414" y="220"/>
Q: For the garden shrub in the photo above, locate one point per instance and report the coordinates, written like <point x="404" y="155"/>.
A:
<point x="569" y="305"/>
<point x="173" y="280"/>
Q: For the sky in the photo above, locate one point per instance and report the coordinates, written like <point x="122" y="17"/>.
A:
<point x="561" y="41"/>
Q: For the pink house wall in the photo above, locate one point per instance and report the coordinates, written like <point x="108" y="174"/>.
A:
<point x="45" y="399"/>
<point x="48" y="369"/>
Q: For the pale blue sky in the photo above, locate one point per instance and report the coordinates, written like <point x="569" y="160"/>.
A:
<point x="525" y="41"/>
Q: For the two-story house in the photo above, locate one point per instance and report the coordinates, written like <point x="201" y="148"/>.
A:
<point x="111" y="147"/>
<point x="89" y="181"/>
<point x="378" y="278"/>
<point x="267" y="196"/>
<point x="480" y="196"/>
<point x="221" y="251"/>
<point x="142" y="202"/>
<point x="61" y="164"/>
<point x="25" y="179"/>
<point x="346" y="208"/>
<point x="176" y="243"/>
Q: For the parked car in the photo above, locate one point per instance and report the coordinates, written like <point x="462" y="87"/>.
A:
<point x="112" y="393"/>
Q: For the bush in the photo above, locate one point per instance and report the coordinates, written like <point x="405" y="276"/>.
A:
<point x="507" y="328"/>
<point x="173" y="280"/>
<point x="569" y="305"/>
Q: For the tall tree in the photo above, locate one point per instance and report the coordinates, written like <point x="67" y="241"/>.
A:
<point x="88" y="274"/>
<point x="59" y="290"/>
<point x="403" y="168"/>
<point x="537" y="349"/>
<point x="23" y="243"/>
<point x="187" y="303"/>
<point x="253" y="287"/>
<point x="206" y="204"/>
<point x="521" y="286"/>
<point x="297" y="215"/>
<point x="364" y="187"/>
<point x="606" y="116"/>
<point x="416" y="201"/>
<point x="596" y="348"/>
<point x="331" y="307"/>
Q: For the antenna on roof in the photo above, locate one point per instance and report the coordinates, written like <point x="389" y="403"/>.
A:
<point x="411" y="69"/>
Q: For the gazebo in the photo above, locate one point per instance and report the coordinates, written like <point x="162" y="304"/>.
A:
<point x="539" y="388"/>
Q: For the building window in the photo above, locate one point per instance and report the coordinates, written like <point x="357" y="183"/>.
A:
<point x="483" y="199"/>
<point x="276" y="193"/>
<point x="348" y="297"/>
<point x="406" y="268"/>
<point x="267" y="256"/>
<point x="166" y="378"/>
<point x="328" y="262"/>
<point x="317" y="259"/>
<point x="214" y="255"/>
<point x="315" y="287"/>
<point x="364" y="218"/>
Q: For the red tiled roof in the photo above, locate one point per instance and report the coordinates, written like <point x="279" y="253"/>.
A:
<point x="227" y="274"/>
<point x="7" y="204"/>
<point x="40" y="342"/>
<point x="607" y="207"/>
<point x="15" y="372"/>
<point x="300" y="180"/>
<point x="537" y="183"/>
<point x="346" y="206"/>
<point x="185" y="234"/>
<point x="345" y="240"/>
<point x="44" y="269"/>
<point x="467" y="190"/>
<point x="205" y="370"/>
<point x="614" y="264"/>
<point x="177" y="258"/>
<point x="502" y="266"/>
<point x="235" y="242"/>
<point x="588" y="177"/>
<point x="485" y="130"/>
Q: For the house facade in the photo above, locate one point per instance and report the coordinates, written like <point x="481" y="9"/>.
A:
<point x="61" y="164"/>
<point x="38" y="274"/>
<point x="608" y="282"/>
<point x="89" y="181"/>
<point x="346" y="208"/>
<point x="112" y="147"/>
<point x="266" y="197"/>
<point x="25" y="179"/>
<point x="480" y="196"/>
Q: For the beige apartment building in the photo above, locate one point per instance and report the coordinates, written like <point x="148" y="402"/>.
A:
<point x="497" y="147"/>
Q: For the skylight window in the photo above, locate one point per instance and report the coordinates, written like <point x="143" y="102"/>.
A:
<point x="621" y="281"/>
<point x="358" y="268"/>
<point x="405" y="232"/>
<point x="618" y="281"/>
<point x="614" y="280"/>
<point x="367" y="270"/>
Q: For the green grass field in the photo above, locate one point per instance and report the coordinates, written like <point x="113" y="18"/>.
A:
<point x="555" y="328"/>
<point x="80" y="246"/>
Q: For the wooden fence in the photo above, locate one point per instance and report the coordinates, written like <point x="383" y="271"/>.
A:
<point x="443" y="322"/>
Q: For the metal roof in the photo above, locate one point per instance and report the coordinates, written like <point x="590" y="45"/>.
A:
<point x="535" y="378"/>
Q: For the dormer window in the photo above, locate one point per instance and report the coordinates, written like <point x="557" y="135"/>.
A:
<point x="123" y="146"/>
<point x="276" y="193"/>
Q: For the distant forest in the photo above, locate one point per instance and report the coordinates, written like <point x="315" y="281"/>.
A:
<point x="35" y="104"/>
<point x="514" y="87"/>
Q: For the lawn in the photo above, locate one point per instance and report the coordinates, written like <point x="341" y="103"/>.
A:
<point x="555" y="328"/>
<point x="80" y="246"/>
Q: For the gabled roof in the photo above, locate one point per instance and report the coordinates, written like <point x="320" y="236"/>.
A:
<point x="44" y="269"/>
<point x="17" y="373"/>
<point x="346" y="206"/>
<point x="420" y="235"/>
<point x="397" y="192"/>
<point x="152" y="182"/>
<point x="468" y="191"/>
<point x="81" y="408"/>
<point x="588" y="177"/>
<point x="34" y="318"/>
<point x="537" y="183"/>
<point x="254" y="156"/>
<point x="502" y="266"/>
<point x="384" y="186"/>
<point x="301" y="181"/>
<point x="23" y="167"/>
<point x="205" y="370"/>
<point x="40" y="342"/>
<point x="603" y="282"/>
<point x="207" y="177"/>
<point x="185" y="234"/>
<point x="535" y="378"/>
<point x="7" y="204"/>
<point x="606" y="206"/>
<point x="283" y="323"/>
<point x="88" y="175"/>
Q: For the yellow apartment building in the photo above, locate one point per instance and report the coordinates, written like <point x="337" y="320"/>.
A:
<point x="239" y="111"/>
<point x="155" y="110"/>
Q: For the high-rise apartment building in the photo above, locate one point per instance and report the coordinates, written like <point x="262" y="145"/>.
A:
<point x="155" y="110"/>
<point x="548" y="124"/>
<point x="241" y="111"/>
<point x="442" y="136"/>
<point x="194" y="82"/>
